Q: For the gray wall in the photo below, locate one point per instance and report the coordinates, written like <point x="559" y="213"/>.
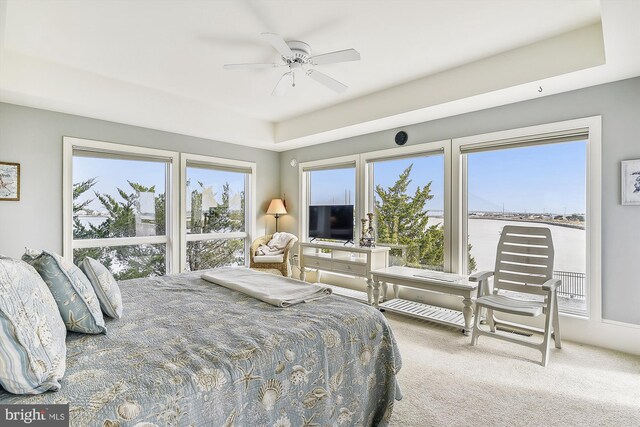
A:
<point x="33" y="138"/>
<point x="619" y="105"/>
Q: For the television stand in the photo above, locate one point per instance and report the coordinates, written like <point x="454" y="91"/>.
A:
<point x="347" y="242"/>
<point x="337" y="258"/>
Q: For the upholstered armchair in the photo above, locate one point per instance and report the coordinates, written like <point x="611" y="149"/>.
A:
<point x="276" y="262"/>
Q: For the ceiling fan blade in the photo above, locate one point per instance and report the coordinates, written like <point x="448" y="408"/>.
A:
<point x="338" y="56"/>
<point x="327" y="81"/>
<point x="283" y="85"/>
<point x="249" y="66"/>
<point x="278" y="44"/>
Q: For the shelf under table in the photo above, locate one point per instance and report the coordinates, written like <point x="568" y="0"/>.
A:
<point x="431" y="313"/>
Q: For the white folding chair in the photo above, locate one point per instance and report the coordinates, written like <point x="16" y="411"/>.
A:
<point x="524" y="264"/>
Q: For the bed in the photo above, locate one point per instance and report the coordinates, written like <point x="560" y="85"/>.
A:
<point x="191" y="353"/>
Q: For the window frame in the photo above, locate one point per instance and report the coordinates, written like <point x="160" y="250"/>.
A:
<point x="305" y="189"/>
<point x="171" y="237"/>
<point x="593" y="225"/>
<point x="442" y="147"/>
<point x="249" y="207"/>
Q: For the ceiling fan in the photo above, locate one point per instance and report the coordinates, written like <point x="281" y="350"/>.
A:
<point x="296" y="55"/>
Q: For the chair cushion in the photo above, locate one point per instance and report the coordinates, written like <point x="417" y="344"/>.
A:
<point x="511" y="305"/>
<point x="76" y="299"/>
<point x="262" y="259"/>
<point x="105" y="286"/>
<point x="33" y="350"/>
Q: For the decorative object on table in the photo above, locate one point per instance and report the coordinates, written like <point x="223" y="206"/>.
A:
<point x="630" y="182"/>
<point x="276" y="208"/>
<point x="368" y="239"/>
<point x="9" y="181"/>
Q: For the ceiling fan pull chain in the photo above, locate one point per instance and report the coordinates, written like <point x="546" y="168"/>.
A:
<point x="294" y="80"/>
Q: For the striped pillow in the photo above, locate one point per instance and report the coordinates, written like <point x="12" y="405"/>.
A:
<point x="105" y="285"/>
<point x="32" y="333"/>
<point x="76" y="299"/>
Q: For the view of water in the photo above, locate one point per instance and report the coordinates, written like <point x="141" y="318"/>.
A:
<point x="569" y="243"/>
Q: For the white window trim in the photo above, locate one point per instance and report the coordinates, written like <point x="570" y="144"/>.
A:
<point x="305" y="183"/>
<point x="594" y="197"/>
<point x="250" y="205"/>
<point x="442" y="147"/>
<point x="171" y="185"/>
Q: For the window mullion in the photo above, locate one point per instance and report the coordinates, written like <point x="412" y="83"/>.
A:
<point x="119" y="241"/>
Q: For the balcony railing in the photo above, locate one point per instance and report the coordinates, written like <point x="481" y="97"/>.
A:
<point x="573" y="284"/>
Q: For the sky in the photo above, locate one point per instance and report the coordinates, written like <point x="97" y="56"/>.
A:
<point x="540" y="179"/>
<point x="112" y="174"/>
<point x="547" y="178"/>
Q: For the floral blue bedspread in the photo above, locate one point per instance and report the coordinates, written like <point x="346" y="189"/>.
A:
<point x="190" y="353"/>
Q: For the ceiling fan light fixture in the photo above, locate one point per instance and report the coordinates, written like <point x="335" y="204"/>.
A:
<point x="296" y="55"/>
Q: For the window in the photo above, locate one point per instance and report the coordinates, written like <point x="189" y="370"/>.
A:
<point x="331" y="184"/>
<point x="216" y="206"/>
<point x="119" y="208"/>
<point x="441" y="205"/>
<point x="409" y="207"/>
<point x="123" y="206"/>
<point x="539" y="184"/>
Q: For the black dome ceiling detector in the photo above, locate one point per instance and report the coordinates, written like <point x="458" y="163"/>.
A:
<point x="401" y="138"/>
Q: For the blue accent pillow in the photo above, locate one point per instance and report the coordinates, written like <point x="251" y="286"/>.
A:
<point x="32" y="334"/>
<point x="105" y="285"/>
<point x="76" y="299"/>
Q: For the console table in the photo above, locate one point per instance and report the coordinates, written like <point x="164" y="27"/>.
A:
<point x="436" y="281"/>
<point x="338" y="258"/>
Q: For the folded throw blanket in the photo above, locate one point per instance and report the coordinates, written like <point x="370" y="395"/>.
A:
<point x="266" y="250"/>
<point x="280" y="240"/>
<point x="275" y="290"/>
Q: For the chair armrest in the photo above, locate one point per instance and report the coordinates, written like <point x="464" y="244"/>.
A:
<point x="551" y="284"/>
<point x="480" y="276"/>
<point x="288" y="248"/>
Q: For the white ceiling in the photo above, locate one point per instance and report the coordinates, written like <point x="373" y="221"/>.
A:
<point x="158" y="63"/>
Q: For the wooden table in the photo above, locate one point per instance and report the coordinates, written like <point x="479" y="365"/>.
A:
<point x="436" y="281"/>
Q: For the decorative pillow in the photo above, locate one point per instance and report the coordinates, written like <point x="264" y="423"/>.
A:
<point x="72" y="291"/>
<point x="33" y="350"/>
<point x="105" y="285"/>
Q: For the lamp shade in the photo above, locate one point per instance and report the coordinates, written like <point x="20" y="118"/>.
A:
<point x="276" y="207"/>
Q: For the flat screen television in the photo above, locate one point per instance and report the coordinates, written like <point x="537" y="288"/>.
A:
<point x="331" y="222"/>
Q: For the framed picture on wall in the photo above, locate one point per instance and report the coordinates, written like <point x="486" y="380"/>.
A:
<point x="9" y="181"/>
<point x="631" y="182"/>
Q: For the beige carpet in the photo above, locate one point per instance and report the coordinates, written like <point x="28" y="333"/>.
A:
<point x="446" y="382"/>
